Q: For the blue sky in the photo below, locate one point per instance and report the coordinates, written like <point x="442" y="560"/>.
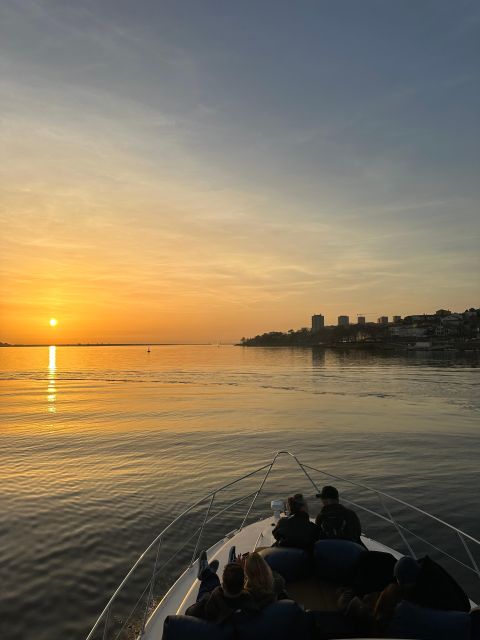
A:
<point x="255" y="160"/>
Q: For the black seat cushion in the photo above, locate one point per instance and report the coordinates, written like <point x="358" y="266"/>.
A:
<point x="435" y="588"/>
<point x="292" y="564"/>
<point x="373" y="572"/>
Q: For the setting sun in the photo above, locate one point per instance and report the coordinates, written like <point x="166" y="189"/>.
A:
<point x="53" y="322"/>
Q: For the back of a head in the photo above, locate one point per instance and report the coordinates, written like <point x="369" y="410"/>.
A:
<point x="297" y="503"/>
<point x="406" y="571"/>
<point x="259" y="576"/>
<point x="233" y="578"/>
<point x="329" y="493"/>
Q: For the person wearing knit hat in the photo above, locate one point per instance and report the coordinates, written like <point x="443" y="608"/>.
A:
<point x="406" y="571"/>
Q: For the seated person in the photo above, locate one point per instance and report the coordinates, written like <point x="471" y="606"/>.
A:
<point x="215" y="601"/>
<point x="335" y="520"/>
<point x="373" y="611"/>
<point x="406" y="572"/>
<point x="295" y="530"/>
<point x="261" y="585"/>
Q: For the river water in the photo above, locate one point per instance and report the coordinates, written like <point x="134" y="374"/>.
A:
<point x="103" y="446"/>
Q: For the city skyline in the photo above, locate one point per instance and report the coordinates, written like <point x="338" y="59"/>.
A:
<point x="197" y="172"/>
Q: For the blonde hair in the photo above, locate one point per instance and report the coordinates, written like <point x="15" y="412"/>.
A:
<point x="258" y="575"/>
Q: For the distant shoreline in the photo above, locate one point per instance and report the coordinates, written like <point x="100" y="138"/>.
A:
<point x="125" y="344"/>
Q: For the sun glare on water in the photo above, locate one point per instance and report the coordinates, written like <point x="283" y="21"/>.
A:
<point x="53" y="322"/>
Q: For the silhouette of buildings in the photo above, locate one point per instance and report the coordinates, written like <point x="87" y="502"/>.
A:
<point x="318" y="322"/>
<point x="343" y="321"/>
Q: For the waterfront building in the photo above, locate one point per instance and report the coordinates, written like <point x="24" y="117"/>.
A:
<point x="318" y="322"/>
<point x="408" y="331"/>
<point x="397" y="319"/>
<point x="343" y="321"/>
<point x="382" y="320"/>
<point x="361" y="320"/>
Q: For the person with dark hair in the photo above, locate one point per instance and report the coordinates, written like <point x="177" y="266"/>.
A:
<point x="296" y="529"/>
<point x="372" y="612"/>
<point x="218" y="604"/>
<point x="406" y="572"/>
<point x="335" y="520"/>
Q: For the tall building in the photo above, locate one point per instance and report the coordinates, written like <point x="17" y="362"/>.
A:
<point x="361" y="320"/>
<point x="318" y="322"/>
<point x="397" y="318"/>
<point x="382" y="320"/>
<point x="343" y="321"/>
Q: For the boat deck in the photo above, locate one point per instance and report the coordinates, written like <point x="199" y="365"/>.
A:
<point x="310" y="593"/>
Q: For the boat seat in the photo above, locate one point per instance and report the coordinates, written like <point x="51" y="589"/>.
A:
<point x="336" y="560"/>
<point x="313" y="593"/>
<point x="412" y="621"/>
<point x="291" y="563"/>
<point x="332" y="560"/>
<point x="282" y="620"/>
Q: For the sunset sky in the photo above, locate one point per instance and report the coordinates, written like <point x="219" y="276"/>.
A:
<point x="199" y="170"/>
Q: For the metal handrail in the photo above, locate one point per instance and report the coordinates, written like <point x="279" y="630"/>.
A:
<point x="269" y="466"/>
<point x="388" y="495"/>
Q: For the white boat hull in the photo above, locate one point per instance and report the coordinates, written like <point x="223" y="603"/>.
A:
<point x="184" y="591"/>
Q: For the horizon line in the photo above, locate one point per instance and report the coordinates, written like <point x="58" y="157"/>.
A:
<point x="119" y="344"/>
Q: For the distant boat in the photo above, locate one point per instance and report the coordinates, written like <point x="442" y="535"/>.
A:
<point x="148" y="349"/>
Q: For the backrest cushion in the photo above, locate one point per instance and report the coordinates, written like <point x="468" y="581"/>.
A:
<point x="292" y="564"/>
<point x="412" y="621"/>
<point x="282" y="620"/>
<point x="435" y="588"/>
<point x="335" y="560"/>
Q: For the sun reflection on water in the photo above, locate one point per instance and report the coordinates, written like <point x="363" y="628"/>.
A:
<point x="51" y="389"/>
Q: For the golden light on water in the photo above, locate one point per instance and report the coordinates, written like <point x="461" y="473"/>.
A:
<point x="52" y="357"/>
<point x="53" y="322"/>
<point x="51" y="389"/>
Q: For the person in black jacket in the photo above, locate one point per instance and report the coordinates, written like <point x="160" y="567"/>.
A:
<point x="335" y="520"/>
<point x="295" y="530"/>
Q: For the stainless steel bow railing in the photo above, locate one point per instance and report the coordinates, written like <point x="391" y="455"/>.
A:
<point x="103" y="627"/>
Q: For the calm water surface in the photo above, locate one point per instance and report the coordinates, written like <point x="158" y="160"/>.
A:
<point x="103" y="446"/>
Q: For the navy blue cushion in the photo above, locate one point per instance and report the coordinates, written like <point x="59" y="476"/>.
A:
<point x="412" y="621"/>
<point x="326" y="625"/>
<point x="187" y="627"/>
<point x="335" y="560"/>
<point x="292" y="564"/>
<point x="282" y="620"/>
<point x="475" y="622"/>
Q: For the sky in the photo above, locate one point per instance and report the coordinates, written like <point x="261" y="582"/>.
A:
<point x="203" y="170"/>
